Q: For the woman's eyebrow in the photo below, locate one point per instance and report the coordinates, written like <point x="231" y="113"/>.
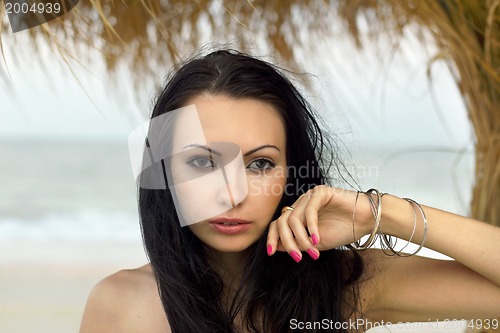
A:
<point x="250" y="152"/>
<point x="210" y="150"/>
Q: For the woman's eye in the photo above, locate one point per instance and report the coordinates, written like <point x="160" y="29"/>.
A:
<point x="201" y="162"/>
<point x="261" y="164"/>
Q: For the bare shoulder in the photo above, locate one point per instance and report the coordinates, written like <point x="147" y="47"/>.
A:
<point x="127" y="301"/>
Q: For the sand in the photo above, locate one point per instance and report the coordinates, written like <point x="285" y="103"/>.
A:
<point x="44" y="287"/>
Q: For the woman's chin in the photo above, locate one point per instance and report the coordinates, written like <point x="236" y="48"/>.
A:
<point x="231" y="245"/>
<point x="236" y="248"/>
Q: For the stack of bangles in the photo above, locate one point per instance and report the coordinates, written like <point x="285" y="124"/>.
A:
<point x="387" y="244"/>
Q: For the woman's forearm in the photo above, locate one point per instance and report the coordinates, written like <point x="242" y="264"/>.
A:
<point x="470" y="242"/>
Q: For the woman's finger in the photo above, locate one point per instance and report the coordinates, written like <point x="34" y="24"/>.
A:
<point x="317" y="198"/>
<point x="297" y="222"/>
<point x="281" y="248"/>
<point x="272" y="238"/>
<point x="286" y="236"/>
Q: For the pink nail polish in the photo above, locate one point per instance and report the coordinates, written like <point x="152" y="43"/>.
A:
<point x="313" y="254"/>
<point x="314" y="239"/>
<point x="297" y="257"/>
<point x="269" y="250"/>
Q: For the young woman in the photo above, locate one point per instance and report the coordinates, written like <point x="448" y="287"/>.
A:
<point x="274" y="254"/>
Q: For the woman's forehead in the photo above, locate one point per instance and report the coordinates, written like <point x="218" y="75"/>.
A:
<point x="241" y="121"/>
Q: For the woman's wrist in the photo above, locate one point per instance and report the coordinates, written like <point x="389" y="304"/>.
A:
<point x="398" y="218"/>
<point x="363" y="216"/>
<point x="385" y="215"/>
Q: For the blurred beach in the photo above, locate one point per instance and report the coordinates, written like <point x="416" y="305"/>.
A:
<point x="68" y="218"/>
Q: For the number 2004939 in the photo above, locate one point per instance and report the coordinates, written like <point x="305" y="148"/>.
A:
<point x="35" y="8"/>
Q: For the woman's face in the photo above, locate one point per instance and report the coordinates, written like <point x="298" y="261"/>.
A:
<point x="257" y="129"/>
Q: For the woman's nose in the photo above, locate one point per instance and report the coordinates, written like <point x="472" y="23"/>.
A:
<point x="224" y="196"/>
<point x="235" y="187"/>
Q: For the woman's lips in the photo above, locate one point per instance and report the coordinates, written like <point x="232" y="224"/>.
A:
<point x="227" y="225"/>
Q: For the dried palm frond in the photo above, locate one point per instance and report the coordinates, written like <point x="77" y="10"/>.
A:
<point x="467" y="34"/>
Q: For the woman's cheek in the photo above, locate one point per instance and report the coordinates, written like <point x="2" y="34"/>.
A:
<point x="266" y="185"/>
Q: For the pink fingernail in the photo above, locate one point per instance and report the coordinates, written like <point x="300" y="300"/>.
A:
<point x="297" y="257"/>
<point x="269" y="250"/>
<point x="313" y="254"/>
<point x="314" y="239"/>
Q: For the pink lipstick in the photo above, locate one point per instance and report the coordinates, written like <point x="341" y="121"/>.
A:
<point x="228" y="225"/>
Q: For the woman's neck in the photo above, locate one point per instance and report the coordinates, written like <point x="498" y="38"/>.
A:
<point x="229" y="265"/>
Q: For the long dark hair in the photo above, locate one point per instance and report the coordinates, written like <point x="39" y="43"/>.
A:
<point x="273" y="290"/>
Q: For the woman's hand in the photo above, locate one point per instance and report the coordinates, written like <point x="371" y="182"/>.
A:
<point x="321" y="219"/>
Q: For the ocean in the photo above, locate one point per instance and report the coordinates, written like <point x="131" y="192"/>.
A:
<point x="66" y="190"/>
